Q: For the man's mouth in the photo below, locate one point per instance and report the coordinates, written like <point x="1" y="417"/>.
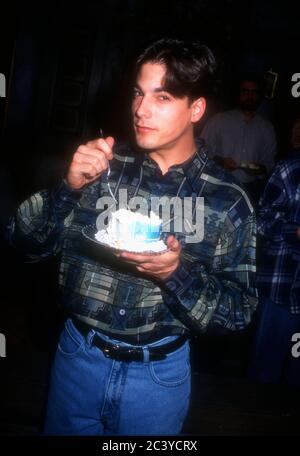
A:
<point x="143" y="129"/>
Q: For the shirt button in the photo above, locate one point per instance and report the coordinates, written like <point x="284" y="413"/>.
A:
<point x="122" y="312"/>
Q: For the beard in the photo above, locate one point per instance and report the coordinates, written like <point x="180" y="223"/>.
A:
<point x="250" y="106"/>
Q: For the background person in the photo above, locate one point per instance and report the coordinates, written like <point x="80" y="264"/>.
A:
<point x="278" y="314"/>
<point x="241" y="136"/>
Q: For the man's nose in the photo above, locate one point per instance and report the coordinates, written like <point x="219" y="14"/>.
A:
<point x="143" y="108"/>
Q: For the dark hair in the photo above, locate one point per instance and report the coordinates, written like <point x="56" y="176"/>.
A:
<point x="190" y="67"/>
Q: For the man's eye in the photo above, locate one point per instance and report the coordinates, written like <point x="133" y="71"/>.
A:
<point x="164" y="97"/>
<point x="136" y="93"/>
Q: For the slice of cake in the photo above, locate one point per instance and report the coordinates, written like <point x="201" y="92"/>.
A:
<point x="133" y="231"/>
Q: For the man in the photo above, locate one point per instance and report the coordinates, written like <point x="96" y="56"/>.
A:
<point x="241" y="140"/>
<point x="278" y="279"/>
<point x="122" y="364"/>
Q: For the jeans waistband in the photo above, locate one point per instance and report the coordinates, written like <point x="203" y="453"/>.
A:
<point x="126" y="352"/>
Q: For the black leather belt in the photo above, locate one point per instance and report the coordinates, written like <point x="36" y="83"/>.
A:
<point x="128" y="354"/>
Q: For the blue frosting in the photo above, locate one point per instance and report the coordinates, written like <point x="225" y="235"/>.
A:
<point x="147" y="232"/>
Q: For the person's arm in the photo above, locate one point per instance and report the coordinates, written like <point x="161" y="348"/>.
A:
<point x="37" y="228"/>
<point x="279" y="213"/>
<point x="224" y="296"/>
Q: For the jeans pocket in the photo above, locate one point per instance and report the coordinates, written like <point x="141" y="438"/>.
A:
<point x="70" y="343"/>
<point x="173" y="370"/>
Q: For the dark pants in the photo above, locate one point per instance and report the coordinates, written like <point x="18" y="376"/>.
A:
<point x="274" y="360"/>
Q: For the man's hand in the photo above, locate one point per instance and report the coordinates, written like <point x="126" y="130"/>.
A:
<point x="158" y="266"/>
<point x="226" y="162"/>
<point x="89" y="162"/>
<point x="257" y="170"/>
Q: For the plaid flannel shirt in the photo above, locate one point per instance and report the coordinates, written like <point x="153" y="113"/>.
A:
<point x="279" y="217"/>
<point x="213" y="285"/>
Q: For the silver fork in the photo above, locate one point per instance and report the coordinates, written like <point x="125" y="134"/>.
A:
<point x="108" y="173"/>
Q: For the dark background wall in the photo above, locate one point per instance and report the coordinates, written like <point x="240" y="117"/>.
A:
<point x="67" y="63"/>
<point x="66" y="66"/>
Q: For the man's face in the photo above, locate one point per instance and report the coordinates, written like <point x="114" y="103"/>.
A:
<point x="160" y="120"/>
<point x="249" y="97"/>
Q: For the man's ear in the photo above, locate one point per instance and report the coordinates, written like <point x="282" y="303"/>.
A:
<point x="198" y="109"/>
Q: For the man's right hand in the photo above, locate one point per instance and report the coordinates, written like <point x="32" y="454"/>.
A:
<point x="89" y="162"/>
<point x="226" y="162"/>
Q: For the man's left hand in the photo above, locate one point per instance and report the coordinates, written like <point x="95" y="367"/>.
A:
<point x="158" y="266"/>
<point x="257" y="171"/>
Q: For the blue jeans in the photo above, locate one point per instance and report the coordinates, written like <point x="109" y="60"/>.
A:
<point x="272" y="360"/>
<point x="94" y="395"/>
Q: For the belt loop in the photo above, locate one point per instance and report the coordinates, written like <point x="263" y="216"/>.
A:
<point x="146" y="354"/>
<point x="90" y="336"/>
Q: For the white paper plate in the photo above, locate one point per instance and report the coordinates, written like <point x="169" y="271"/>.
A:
<point x="154" y="248"/>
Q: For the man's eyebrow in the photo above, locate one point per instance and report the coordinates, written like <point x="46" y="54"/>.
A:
<point x="156" y="90"/>
<point x="160" y="89"/>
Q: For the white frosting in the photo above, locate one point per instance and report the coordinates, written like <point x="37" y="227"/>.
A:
<point x="132" y="231"/>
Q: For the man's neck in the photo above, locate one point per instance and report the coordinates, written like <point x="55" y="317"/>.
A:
<point x="165" y="158"/>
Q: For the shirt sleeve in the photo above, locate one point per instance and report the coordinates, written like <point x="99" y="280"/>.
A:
<point x="221" y="297"/>
<point x="36" y="229"/>
<point x="279" y="212"/>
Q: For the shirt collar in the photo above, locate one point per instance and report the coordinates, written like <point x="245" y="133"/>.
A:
<point x="192" y="168"/>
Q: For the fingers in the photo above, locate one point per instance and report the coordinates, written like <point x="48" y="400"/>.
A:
<point x="87" y="169"/>
<point x="89" y="161"/>
<point x="149" y="267"/>
<point x="92" y="157"/>
<point x="137" y="258"/>
<point x="158" y="266"/>
<point x="173" y="244"/>
<point x="110" y="141"/>
<point x="103" y="145"/>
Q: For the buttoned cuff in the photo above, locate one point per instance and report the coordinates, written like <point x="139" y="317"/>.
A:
<point x="65" y="198"/>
